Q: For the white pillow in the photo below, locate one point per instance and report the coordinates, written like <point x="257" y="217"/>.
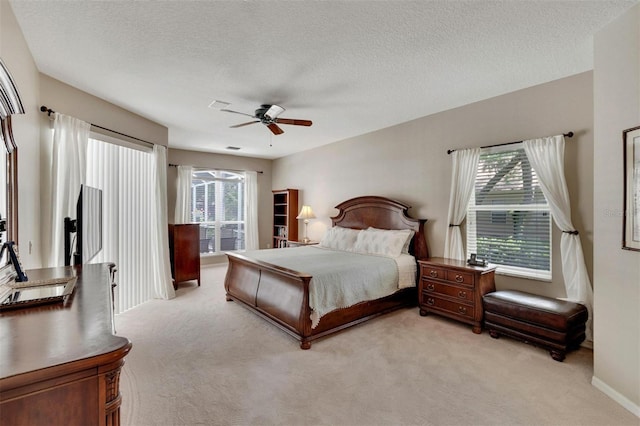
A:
<point x="339" y="238"/>
<point x="383" y="242"/>
<point x="405" y="248"/>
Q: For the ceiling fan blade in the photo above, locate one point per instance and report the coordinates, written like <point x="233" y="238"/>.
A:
<point x="274" y="111"/>
<point x="244" y="124"/>
<point x="236" y="112"/>
<point x="275" y="129"/>
<point x="293" y="121"/>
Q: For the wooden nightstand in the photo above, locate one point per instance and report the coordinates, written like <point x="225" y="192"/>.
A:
<point x="291" y="243"/>
<point x="454" y="289"/>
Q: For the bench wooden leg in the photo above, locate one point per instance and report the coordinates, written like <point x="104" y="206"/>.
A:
<point x="305" y="344"/>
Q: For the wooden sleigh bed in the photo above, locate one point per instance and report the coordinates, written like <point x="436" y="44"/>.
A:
<point x="281" y="295"/>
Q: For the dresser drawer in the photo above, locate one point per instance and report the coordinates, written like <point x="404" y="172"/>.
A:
<point x="456" y="292"/>
<point x="431" y="301"/>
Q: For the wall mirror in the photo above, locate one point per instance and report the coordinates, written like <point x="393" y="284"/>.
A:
<point x="10" y="104"/>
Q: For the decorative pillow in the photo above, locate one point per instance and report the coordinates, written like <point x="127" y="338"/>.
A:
<point x="383" y="242"/>
<point x="405" y="248"/>
<point x="339" y="238"/>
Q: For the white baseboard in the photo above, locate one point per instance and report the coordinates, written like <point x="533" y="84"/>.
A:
<point x="587" y="344"/>
<point x="615" y="395"/>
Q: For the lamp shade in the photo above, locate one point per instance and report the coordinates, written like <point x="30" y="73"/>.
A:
<point x="306" y="213"/>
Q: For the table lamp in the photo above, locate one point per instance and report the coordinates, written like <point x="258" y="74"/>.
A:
<point x="306" y="213"/>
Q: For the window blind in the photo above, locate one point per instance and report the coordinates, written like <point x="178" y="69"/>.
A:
<point x="508" y="218"/>
<point x="126" y="179"/>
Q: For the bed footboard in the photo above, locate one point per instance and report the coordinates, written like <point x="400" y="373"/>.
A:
<point x="277" y="294"/>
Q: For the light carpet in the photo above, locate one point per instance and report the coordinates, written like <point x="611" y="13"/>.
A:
<point x="200" y="360"/>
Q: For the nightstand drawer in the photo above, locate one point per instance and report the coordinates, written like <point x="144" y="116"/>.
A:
<point x="431" y="301"/>
<point x="428" y="271"/>
<point x="455" y="292"/>
<point x="459" y="277"/>
<point x="454" y="276"/>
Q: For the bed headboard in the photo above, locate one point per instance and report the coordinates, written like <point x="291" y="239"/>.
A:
<point x="382" y="213"/>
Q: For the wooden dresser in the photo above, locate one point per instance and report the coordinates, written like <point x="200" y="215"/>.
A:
<point x="454" y="289"/>
<point x="60" y="363"/>
<point x="184" y="252"/>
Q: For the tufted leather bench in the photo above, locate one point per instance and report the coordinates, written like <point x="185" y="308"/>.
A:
<point x="556" y="325"/>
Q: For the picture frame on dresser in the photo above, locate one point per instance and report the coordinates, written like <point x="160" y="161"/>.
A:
<point x="631" y="207"/>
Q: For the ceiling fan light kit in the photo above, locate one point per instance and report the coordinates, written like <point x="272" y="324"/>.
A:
<point x="267" y="114"/>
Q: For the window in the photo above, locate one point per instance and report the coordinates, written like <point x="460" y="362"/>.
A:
<point x="217" y="204"/>
<point x="508" y="218"/>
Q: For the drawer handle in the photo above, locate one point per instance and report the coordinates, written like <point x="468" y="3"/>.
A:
<point x="462" y="294"/>
<point x="433" y="274"/>
<point x="430" y="301"/>
<point x="462" y="310"/>
<point x="430" y="287"/>
<point x="459" y="278"/>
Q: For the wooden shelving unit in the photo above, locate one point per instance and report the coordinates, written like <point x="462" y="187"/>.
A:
<point x="285" y="210"/>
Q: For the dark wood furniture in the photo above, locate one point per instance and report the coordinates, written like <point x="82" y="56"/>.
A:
<point x="556" y="325"/>
<point x="184" y="252"/>
<point x="281" y="295"/>
<point x="454" y="289"/>
<point x="60" y="363"/>
<point x="285" y="210"/>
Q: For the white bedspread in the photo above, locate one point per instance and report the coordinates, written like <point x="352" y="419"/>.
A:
<point x="342" y="279"/>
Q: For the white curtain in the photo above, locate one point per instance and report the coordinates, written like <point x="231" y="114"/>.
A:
<point x="183" y="195"/>
<point x="546" y="156"/>
<point x="251" y="211"/>
<point x="68" y="165"/>
<point x="159" y="233"/>
<point x="463" y="178"/>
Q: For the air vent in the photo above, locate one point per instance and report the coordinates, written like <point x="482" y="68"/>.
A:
<point x="219" y="104"/>
<point x="233" y="148"/>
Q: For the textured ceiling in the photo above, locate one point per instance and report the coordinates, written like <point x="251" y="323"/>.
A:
<point x="350" y="66"/>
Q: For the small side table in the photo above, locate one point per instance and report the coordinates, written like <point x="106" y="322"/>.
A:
<point x="292" y="243"/>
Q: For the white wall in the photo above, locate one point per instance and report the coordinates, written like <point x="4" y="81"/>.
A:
<point x="616" y="271"/>
<point x="68" y="100"/>
<point x="409" y="162"/>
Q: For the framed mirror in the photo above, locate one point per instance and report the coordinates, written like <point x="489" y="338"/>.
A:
<point x="10" y="104"/>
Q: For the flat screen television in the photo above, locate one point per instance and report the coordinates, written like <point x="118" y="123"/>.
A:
<point x="88" y="227"/>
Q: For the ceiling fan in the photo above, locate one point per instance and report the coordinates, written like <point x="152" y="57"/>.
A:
<point x="268" y="115"/>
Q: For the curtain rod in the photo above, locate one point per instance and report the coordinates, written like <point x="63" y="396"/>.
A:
<point x="49" y="111"/>
<point x="215" y="168"/>
<point x="567" y="135"/>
